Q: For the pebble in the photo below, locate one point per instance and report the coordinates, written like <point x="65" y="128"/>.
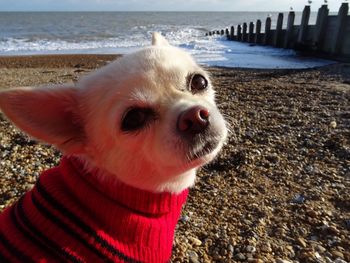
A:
<point x="320" y="249"/>
<point x="301" y="242"/>
<point x="231" y="248"/>
<point x="337" y="254"/>
<point x="289" y="250"/>
<point x="312" y="213"/>
<point x="298" y="199"/>
<point x="347" y="223"/>
<point x="333" y="124"/>
<point x="328" y="213"/>
<point x="266" y="248"/>
<point x="332" y="230"/>
<point x="240" y="257"/>
<point x="279" y="260"/>
<point x="310" y="169"/>
<point x="208" y="242"/>
<point x="184" y="219"/>
<point x="250" y="249"/>
<point x="195" y="241"/>
<point x="192" y="256"/>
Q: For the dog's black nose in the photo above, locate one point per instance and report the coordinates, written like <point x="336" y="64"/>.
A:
<point x="193" y="121"/>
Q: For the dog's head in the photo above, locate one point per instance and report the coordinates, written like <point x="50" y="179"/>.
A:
<point x="148" y="119"/>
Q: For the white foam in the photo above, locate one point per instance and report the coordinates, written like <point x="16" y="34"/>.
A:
<point x="217" y="51"/>
<point x="11" y="45"/>
<point x="211" y="51"/>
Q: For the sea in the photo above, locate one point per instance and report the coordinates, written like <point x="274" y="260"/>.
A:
<point x="31" y="33"/>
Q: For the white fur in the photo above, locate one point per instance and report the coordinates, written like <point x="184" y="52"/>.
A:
<point x="85" y="120"/>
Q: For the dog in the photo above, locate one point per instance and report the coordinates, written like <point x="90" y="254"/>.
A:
<point x="133" y="135"/>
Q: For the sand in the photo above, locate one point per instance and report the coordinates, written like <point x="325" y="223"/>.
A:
<point x="278" y="192"/>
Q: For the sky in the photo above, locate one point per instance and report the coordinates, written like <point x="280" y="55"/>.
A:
<point x="162" y="5"/>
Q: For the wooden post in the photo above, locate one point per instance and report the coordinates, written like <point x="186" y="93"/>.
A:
<point x="258" y="32"/>
<point x="232" y="33"/>
<point x="239" y="33"/>
<point x="267" y="31"/>
<point x="227" y="34"/>
<point x="304" y="24"/>
<point x="251" y="32"/>
<point x="209" y="33"/>
<point x="290" y="28"/>
<point x="321" y="24"/>
<point x="222" y="32"/>
<point x="278" y="35"/>
<point x="244" y="34"/>
<point x="217" y="32"/>
<point x="340" y="29"/>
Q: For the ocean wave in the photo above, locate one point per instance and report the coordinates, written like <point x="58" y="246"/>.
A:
<point x="211" y="51"/>
<point x="27" y="45"/>
<point x="140" y="38"/>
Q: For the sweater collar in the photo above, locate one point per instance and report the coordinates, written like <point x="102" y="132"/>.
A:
<point x="121" y="194"/>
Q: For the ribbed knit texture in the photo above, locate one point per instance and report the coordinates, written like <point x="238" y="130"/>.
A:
<point x="71" y="216"/>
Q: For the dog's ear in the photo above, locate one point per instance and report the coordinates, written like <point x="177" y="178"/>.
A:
<point x="49" y="114"/>
<point x="159" y="40"/>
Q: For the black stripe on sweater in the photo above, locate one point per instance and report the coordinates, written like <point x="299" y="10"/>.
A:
<point x="4" y="259"/>
<point x="23" y="224"/>
<point x="65" y="212"/>
<point x="68" y="229"/>
<point x="14" y="251"/>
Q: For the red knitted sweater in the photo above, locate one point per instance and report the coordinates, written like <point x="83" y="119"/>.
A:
<point x="70" y="216"/>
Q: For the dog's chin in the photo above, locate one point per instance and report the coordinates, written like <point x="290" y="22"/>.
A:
<point x="203" y="153"/>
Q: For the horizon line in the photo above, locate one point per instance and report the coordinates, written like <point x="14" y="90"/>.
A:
<point x="152" y="11"/>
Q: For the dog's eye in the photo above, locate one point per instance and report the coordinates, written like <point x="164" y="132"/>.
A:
<point x="198" y="83"/>
<point x="136" y="118"/>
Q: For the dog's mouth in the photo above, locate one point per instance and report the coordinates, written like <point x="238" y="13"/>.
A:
<point x="202" y="150"/>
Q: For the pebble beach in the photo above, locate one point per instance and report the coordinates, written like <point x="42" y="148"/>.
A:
<point x="279" y="191"/>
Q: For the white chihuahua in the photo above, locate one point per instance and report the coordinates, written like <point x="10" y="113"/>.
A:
<point x="133" y="134"/>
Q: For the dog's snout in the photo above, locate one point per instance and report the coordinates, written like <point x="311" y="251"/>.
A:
<point x="194" y="120"/>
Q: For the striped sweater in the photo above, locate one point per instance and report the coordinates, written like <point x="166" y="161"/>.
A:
<point x="70" y="216"/>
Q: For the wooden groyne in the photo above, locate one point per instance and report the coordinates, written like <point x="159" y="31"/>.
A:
<point x="329" y="37"/>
